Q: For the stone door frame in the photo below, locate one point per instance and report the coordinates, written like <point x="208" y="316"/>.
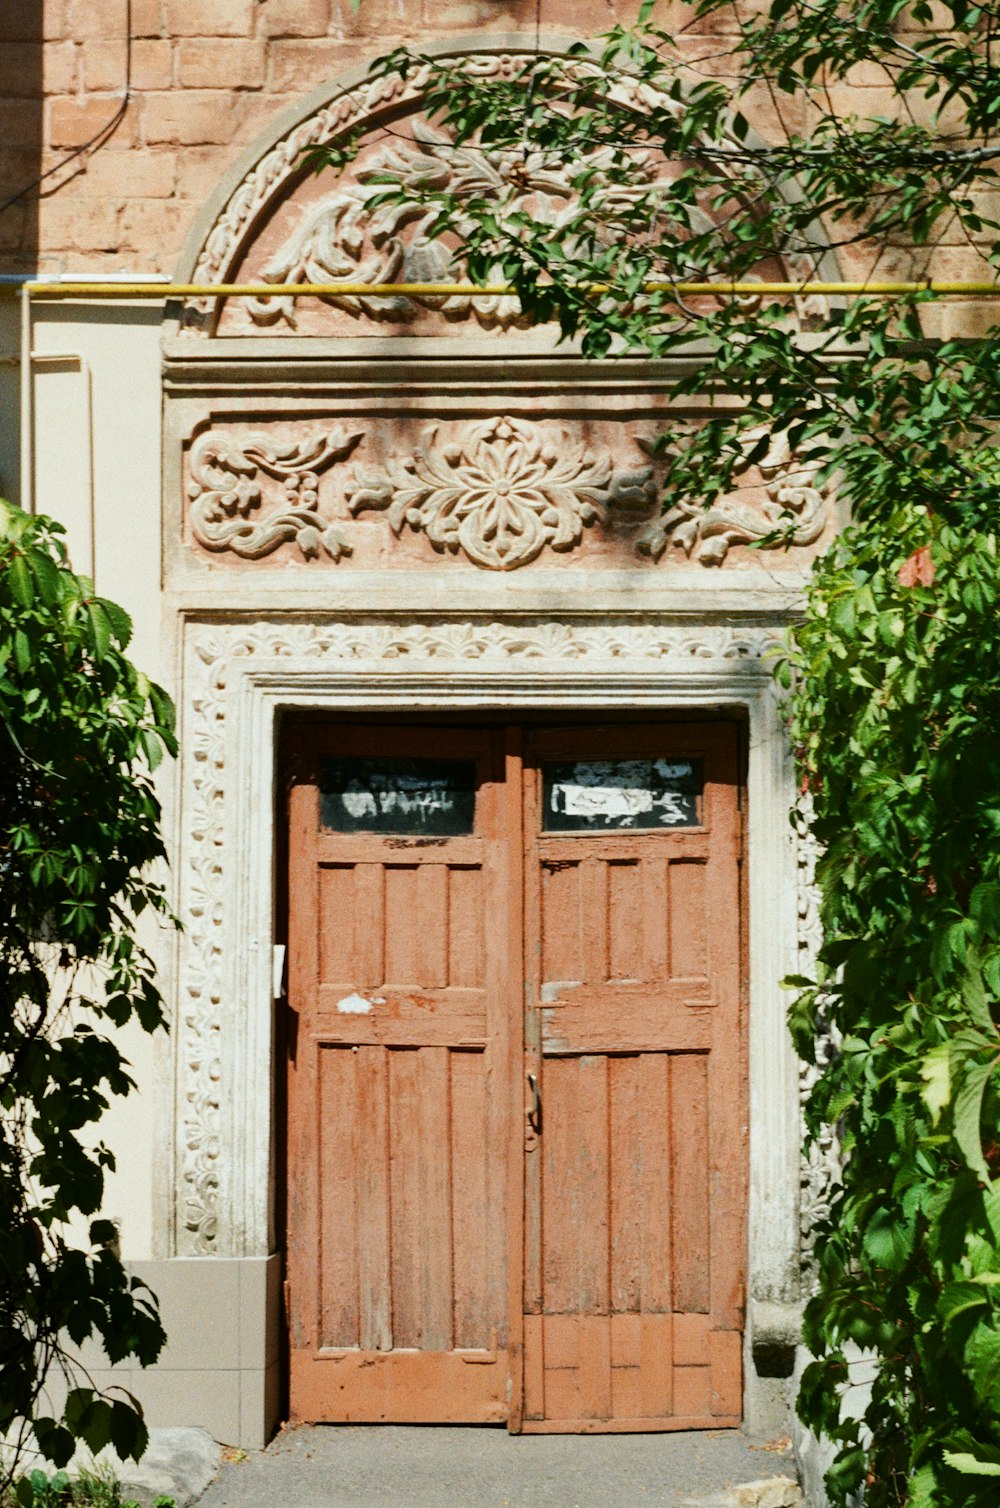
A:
<point x="241" y="672"/>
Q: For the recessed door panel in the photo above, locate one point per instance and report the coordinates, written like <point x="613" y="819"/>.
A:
<point x="397" y="1269"/>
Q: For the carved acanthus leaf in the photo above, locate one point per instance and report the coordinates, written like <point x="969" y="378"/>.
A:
<point x="342" y="239"/>
<point x="500" y="492"/>
<point x="794" y="512"/>
<point x="225" y="493"/>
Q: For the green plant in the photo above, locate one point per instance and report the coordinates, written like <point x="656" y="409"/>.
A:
<point x="894" y="694"/>
<point x="41" y="1491"/>
<point x="80" y="732"/>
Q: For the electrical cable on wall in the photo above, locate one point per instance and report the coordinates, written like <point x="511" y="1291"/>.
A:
<point x="100" y="137"/>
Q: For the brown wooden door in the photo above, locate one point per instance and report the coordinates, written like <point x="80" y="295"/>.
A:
<point x="634" y="1236"/>
<point x="516" y="1086"/>
<point x="399" y="996"/>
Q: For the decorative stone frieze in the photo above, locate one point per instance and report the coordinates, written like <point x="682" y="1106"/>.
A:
<point x="496" y="493"/>
<point x="793" y="511"/>
<point x="225" y="495"/>
<point x="501" y="491"/>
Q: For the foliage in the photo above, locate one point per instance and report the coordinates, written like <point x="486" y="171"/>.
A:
<point x="895" y="697"/>
<point x="80" y="732"/>
<point x="91" y="1489"/>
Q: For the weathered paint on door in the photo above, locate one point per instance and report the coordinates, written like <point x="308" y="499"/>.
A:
<point x="399" y="976"/>
<point x="634" y="1236"/>
<point x="458" y="996"/>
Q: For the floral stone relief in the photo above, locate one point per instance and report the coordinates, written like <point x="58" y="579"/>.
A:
<point x="225" y="493"/>
<point x="496" y="492"/>
<point x="501" y="492"/>
<point x="349" y="236"/>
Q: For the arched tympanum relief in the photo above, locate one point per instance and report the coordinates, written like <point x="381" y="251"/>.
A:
<point x="498" y="487"/>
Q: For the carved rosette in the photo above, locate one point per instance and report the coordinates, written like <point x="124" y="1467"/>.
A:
<point x="225" y="497"/>
<point x="500" y="492"/>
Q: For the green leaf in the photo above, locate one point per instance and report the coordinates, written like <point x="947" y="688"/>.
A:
<point x="21" y="585"/>
<point x="971" y="1466"/>
<point x="968" y="1112"/>
<point x="935" y="1073"/>
<point x="100" y="629"/>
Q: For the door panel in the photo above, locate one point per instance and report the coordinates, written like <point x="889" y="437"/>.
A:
<point x="635" y="1235"/>
<point x="396" y="1215"/>
<point x="516" y="1082"/>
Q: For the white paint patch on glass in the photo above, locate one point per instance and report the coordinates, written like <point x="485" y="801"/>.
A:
<point x="597" y="795"/>
<point x="420" y="797"/>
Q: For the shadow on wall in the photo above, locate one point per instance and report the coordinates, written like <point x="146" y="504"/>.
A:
<point x="21" y="126"/>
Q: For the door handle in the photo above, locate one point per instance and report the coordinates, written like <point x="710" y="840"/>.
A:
<point x="535" y="1113"/>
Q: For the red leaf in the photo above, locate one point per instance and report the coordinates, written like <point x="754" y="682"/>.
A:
<point x="919" y="569"/>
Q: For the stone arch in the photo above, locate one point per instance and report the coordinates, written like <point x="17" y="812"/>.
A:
<point x="270" y="220"/>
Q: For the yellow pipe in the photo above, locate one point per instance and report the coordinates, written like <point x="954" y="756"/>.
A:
<point x="111" y="290"/>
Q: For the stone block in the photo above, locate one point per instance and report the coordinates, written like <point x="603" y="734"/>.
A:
<point x="97" y="18"/>
<point x="147" y="18"/>
<point x="209" y="18"/>
<point x="21" y="70"/>
<point x="295" y="18"/>
<point x="73" y="121"/>
<point x="61" y="67"/>
<point x="128" y="175"/>
<point x="199" y="170"/>
<point x="153" y="222"/>
<point x="28" y="21"/>
<point x="296" y="67"/>
<point x="178" y="1463"/>
<point x="220" y="63"/>
<point x="104" y="64"/>
<point x="189" y="118"/>
<point x="152" y="64"/>
<point x="79" y="225"/>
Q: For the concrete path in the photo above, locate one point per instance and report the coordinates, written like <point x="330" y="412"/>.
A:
<point x="396" y="1466"/>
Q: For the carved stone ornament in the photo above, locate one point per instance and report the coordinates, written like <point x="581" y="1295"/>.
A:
<point x="820" y="1173"/>
<point x="340" y="238"/>
<point x="205" y="870"/>
<point x="225" y="493"/>
<point x="501" y="491"/>
<point x="795" y="511"/>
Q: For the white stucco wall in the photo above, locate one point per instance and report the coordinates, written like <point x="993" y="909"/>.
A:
<point x="96" y="462"/>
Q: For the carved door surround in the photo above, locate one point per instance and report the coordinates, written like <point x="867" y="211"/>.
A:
<point x="434" y="512"/>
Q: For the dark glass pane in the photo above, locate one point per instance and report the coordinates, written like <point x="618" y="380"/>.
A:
<point x="432" y="797"/>
<point x="602" y="795"/>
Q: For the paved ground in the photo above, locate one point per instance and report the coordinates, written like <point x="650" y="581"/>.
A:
<point x="396" y="1466"/>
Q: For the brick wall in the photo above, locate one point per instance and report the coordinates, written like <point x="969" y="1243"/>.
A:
<point x="208" y="76"/>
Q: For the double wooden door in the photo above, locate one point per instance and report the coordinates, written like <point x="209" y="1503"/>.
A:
<point x="516" y="1146"/>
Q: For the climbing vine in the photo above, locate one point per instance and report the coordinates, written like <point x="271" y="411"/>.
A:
<point x="893" y="675"/>
<point x="81" y="730"/>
